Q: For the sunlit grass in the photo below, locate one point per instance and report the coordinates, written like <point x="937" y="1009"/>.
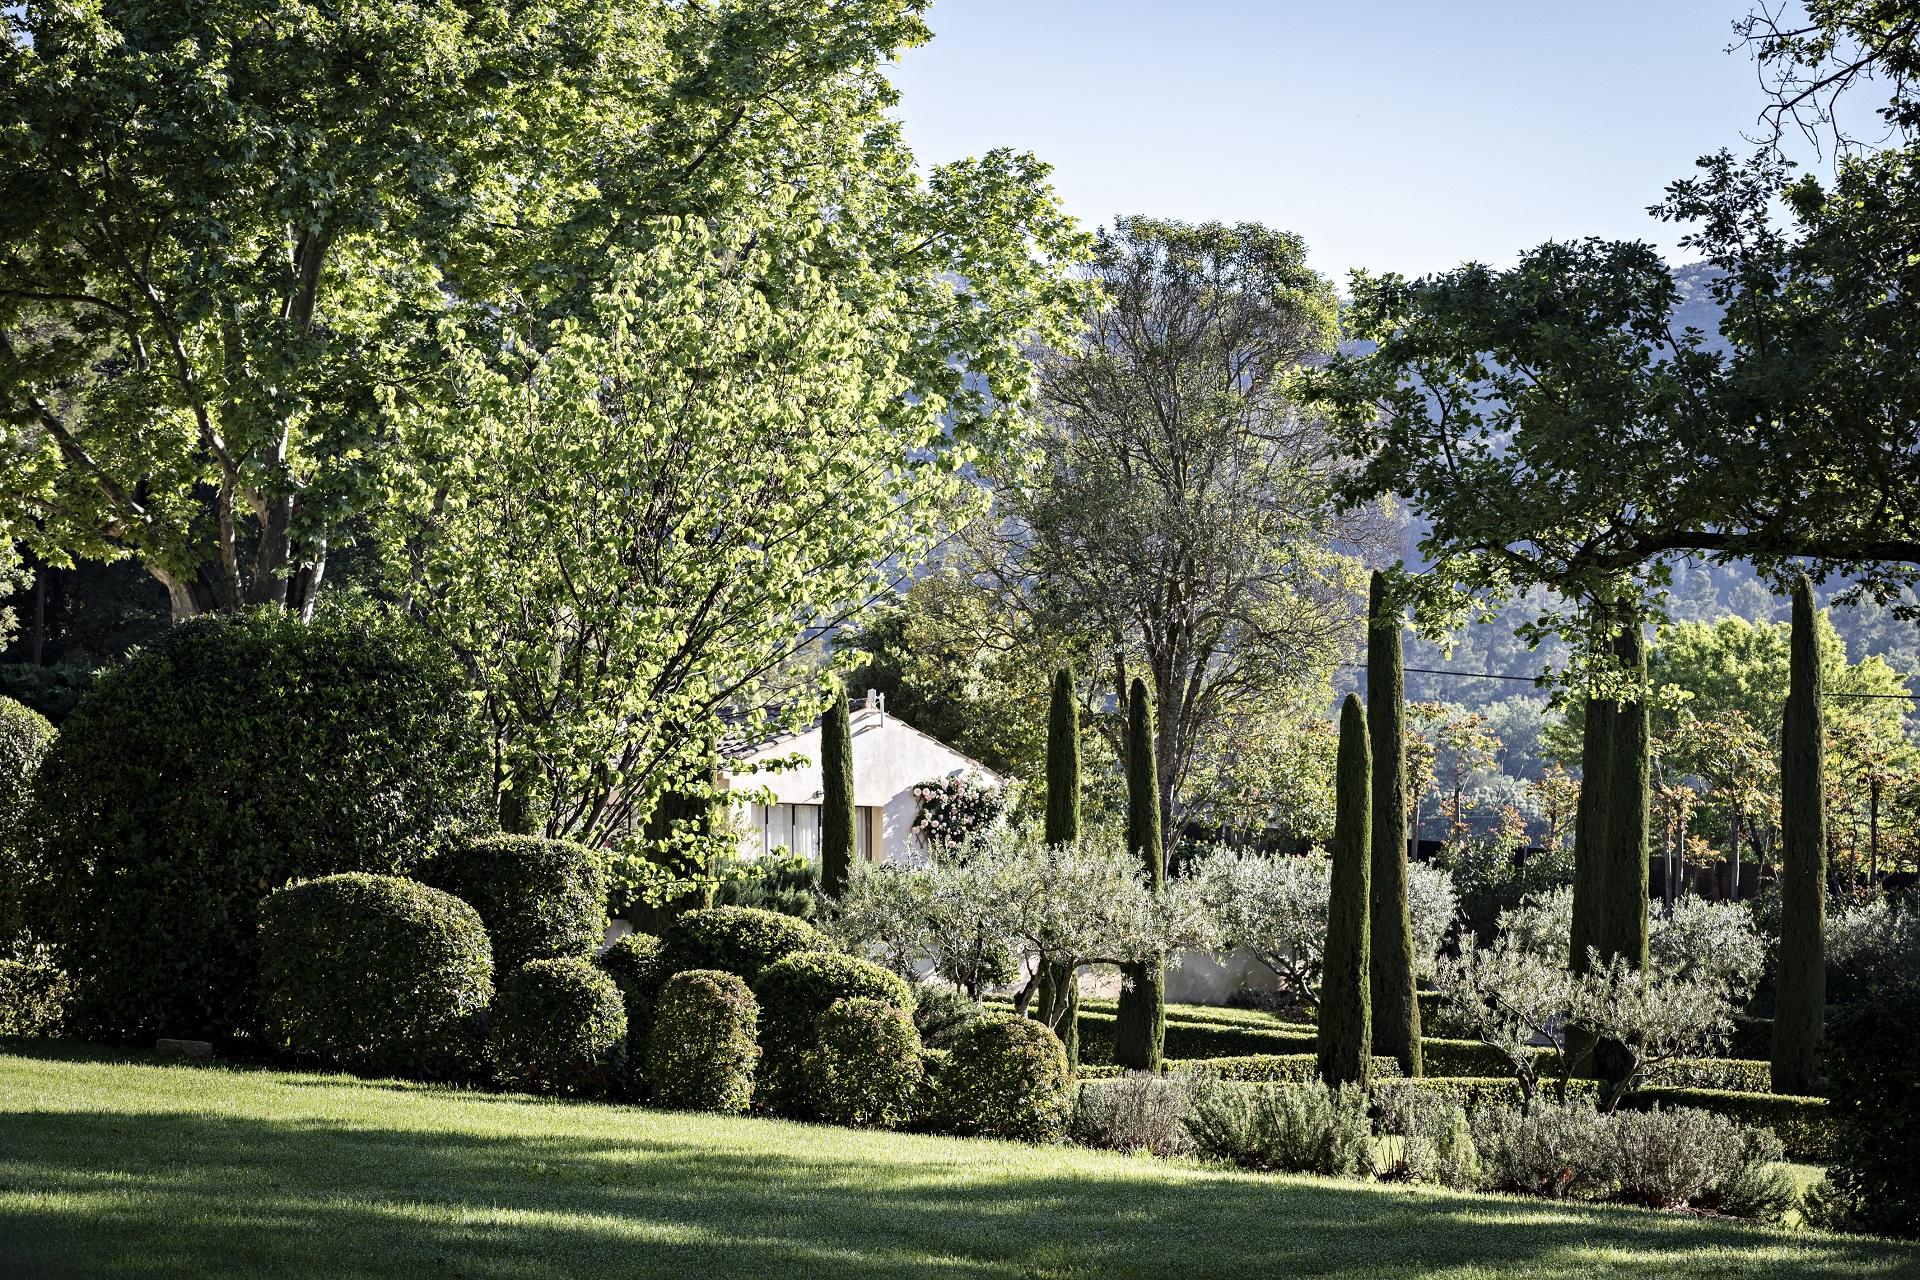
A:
<point x="115" y="1165"/>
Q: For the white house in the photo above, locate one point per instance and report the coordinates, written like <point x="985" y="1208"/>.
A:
<point x="890" y="758"/>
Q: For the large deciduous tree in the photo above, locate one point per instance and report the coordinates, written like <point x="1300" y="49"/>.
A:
<point x="722" y="458"/>
<point x="244" y="242"/>
<point x="1181" y="519"/>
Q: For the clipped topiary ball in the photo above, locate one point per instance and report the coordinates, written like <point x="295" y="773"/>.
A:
<point x="1005" y="1077"/>
<point x="739" y="940"/>
<point x="636" y="964"/>
<point x="793" y="992"/>
<point x="866" y="1067"/>
<point x="375" y="974"/>
<point x="237" y="754"/>
<point x="558" y="1026"/>
<point x="701" y="1055"/>
<point x="540" y="899"/>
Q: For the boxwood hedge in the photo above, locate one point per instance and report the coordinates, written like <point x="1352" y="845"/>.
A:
<point x="540" y="899"/>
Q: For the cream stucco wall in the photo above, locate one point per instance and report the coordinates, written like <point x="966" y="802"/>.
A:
<point x="890" y="758"/>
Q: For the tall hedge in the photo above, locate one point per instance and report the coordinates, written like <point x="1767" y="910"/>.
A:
<point x="540" y="899"/>
<point x="25" y="736"/>
<point x="1392" y="964"/>
<point x="1801" y="992"/>
<point x="1346" y="1031"/>
<point x="237" y="754"/>
<point x="1063" y="827"/>
<point x="837" y="814"/>
<point x="1623" y="921"/>
<point x="1140" y="1029"/>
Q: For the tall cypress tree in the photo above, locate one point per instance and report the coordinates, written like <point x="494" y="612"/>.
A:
<point x="1800" y="1003"/>
<point x="1589" y="831"/>
<point x="1396" y="1004"/>
<point x="1623" y="929"/>
<point x="1063" y="827"/>
<point x="1346" y="1036"/>
<point x="1140" y="1022"/>
<point x="837" y="813"/>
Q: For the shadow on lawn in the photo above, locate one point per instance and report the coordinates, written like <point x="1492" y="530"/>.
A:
<point x="100" y="1192"/>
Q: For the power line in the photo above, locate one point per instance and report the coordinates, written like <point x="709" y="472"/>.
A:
<point x="1495" y="675"/>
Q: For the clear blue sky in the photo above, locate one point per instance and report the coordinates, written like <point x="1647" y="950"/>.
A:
<point x="1396" y="135"/>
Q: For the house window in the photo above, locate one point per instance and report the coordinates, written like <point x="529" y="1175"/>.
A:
<point x="863" y="824"/>
<point x="792" y="827"/>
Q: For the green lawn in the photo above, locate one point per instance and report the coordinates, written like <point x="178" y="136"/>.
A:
<point x="115" y="1165"/>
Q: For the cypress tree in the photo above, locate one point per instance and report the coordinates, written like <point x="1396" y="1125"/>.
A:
<point x="1140" y="1022"/>
<point x="1063" y="827"/>
<point x="1623" y="929"/>
<point x="836" y="805"/>
<point x="1800" y="1004"/>
<point x="1589" y="831"/>
<point x="1396" y="1004"/>
<point x="1345" y="1036"/>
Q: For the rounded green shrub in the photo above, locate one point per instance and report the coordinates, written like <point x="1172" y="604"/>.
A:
<point x="1005" y="1077"/>
<point x="866" y="1067"/>
<point x="33" y="997"/>
<point x="738" y="940"/>
<point x="25" y="735"/>
<point x="701" y="1054"/>
<point x="237" y="754"/>
<point x="558" y="1026"/>
<point x="793" y="992"/>
<point x="634" y="962"/>
<point x="374" y="973"/>
<point x="540" y="899"/>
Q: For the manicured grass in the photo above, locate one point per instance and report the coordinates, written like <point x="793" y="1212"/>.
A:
<point x="115" y="1165"/>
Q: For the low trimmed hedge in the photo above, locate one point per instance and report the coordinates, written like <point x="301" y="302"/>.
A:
<point x="540" y="899"/>
<point x="1196" y="1039"/>
<point x="559" y="1026"/>
<point x="702" y="1054"/>
<point x="1741" y="1075"/>
<point x="375" y="974"/>
<point x="1804" y="1125"/>
<point x="1473" y="1091"/>
<point x="1272" y="1068"/>
<point x="742" y="941"/>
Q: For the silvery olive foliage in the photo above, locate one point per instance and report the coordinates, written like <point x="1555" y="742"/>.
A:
<point x="1276" y="907"/>
<point x="979" y="911"/>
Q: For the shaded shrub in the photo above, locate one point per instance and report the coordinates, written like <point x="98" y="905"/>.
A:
<point x="238" y="753"/>
<point x="701" y="1054"/>
<point x="737" y="940"/>
<point x="1436" y="1138"/>
<point x="1557" y="1150"/>
<point x="865" y="1067"/>
<point x="540" y="899"/>
<point x="1804" y="1125"/>
<point x="1305" y="1128"/>
<point x="793" y="992"/>
<point x="636" y="964"/>
<point x="1005" y="1077"/>
<point x="25" y="735"/>
<point x="558" y="1026"/>
<point x="1873" y="1073"/>
<point x="374" y="973"/>
<point x="941" y="1013"/>
<point x="1675" y="1159"/>
<point x="1135" y="1111"/>
<point x="33" y="997"/>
